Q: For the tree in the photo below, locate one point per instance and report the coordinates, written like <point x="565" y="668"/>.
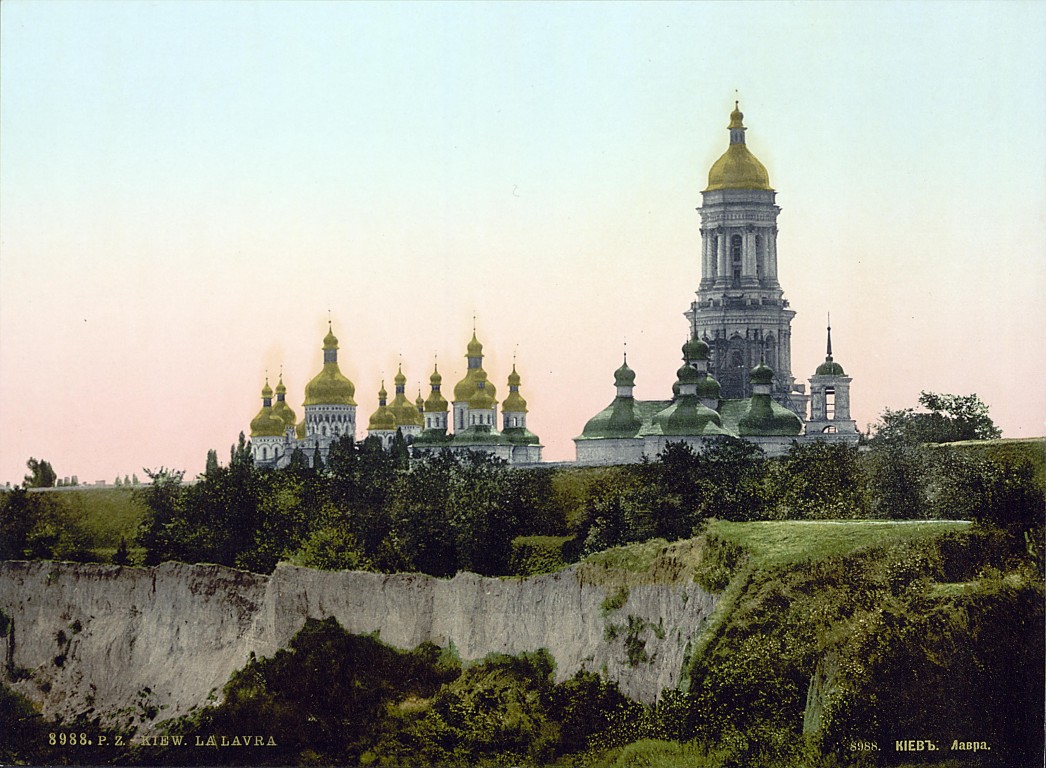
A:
<point x="946" y="419"/>
<point x="121" y="556"/>
<point x="212" y="463"/>
<point x="162" y="497"/>
<point x="40" y="474"/>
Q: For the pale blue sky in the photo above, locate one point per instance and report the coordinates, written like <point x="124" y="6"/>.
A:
<point x="186" y="188"/>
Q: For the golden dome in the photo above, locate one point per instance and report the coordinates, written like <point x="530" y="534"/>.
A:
<point x="280" y="407"/>
<point x="483" y="397"/>
<point x="299" y="430"/>
<point x="737" y="168"/>
<point x="266" y="423"/>
<point x="329" y="386"/>
<point x="402" y="410"/>
<point x="436" y="401"/>
<point x="475" y="349"/>
<point x="514" y="402"/>
<point x="383" y="417"/>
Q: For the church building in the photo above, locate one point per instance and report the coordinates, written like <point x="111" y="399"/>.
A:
<point x="736" y="378"/>
<point x="330" y="413"/>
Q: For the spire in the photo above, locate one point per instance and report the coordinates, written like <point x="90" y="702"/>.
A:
<point x="829" y="336"/>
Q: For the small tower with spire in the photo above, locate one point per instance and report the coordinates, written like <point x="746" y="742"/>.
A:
<point x="830" y="400"/>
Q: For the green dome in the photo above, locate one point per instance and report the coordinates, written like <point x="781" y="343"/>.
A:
<point x="688" y="417"/>
<point x="830" y="368"/>
<point x="695" y="349"/>
<point x="762" y="374"/>
<point x="764" y="417"/>
<point x="475" y="349"/>
<point x="624" y="376"/>
<point x="708" y="389"/>
<point x="687" y="375"/>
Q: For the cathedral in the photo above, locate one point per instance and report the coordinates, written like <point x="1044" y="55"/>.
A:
<point x="330" y="413"/>
<point x="736" y="374"/>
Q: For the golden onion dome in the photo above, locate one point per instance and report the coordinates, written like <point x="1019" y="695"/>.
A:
<point x="400" y="378"/>
<point x="299" y="430"/>
<point x="280" y="407"/>
<point x="419" y="402"/>
<point x="475" y="349"/>
<point x="383" y="417"/>
<point x="737" y="168"/>
<point x="483" y="398"/>
<point x="436" y="401"/>
<point x="330" y="386"/>
<point x="266" y="423"/>
<point x="514" y="402"/>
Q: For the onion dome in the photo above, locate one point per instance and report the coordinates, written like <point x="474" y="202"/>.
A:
<point x="687" y="375"/>
<point x="829" y="367"/>
<point x="436" y="402"/>
<point x="329" y="386"/>
<point x="403" y="411"/>
<point x="686" y="416"/>
<point x="514" y="402"/>
<point x="280" y="408"/>
<point x="762" y="374"/>
<point x="624" y="376"/>
<point x="694" y="350"/>
<point x="266" y="423"/>
<point x="483" y="398"/>
<point x="466" y="388"/>
<point x="737" y="168"/>
<point x="299" y="430"/>
<point x="382" y="418"/>
<point x="708" y="388"/>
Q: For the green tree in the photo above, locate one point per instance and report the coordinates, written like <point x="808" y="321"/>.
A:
<point x="945" y="419"/>
<point x="212" y="463"/>
<point x="162" y="499"/>
<point x="818" y="480"/>
<point x="41" y="475"/>
<point x="121" y="556"/>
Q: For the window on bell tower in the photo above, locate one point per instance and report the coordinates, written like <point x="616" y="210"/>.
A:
<point x="829" y="403"/>
<point x="735" y="256"/>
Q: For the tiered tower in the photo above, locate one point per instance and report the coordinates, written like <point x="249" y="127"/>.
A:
<point x="741" y="312"/>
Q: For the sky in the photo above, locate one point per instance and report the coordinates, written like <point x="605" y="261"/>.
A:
<point x="189" y="190"/>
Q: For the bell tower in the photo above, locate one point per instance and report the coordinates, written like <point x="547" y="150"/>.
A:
<point x="741" y="312"/>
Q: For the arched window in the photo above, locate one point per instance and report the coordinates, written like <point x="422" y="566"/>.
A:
<point x="829" y="430"/>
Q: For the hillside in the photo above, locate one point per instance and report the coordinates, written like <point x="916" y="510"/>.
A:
<point x="766" y="641"/>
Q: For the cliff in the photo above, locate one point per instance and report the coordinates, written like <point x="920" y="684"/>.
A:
<point x="136" y="646"/>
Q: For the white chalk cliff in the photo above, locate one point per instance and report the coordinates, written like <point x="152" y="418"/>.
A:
<point x="124" y="643"/>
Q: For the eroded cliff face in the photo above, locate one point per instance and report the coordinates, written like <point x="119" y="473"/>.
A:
<point x="136" y="646"/>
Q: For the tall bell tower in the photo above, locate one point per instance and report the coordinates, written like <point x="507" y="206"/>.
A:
<point x="741" y="312"/>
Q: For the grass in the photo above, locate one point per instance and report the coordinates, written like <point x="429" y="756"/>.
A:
<point x="771" y="544"/>
<point x="107" y="514"/>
